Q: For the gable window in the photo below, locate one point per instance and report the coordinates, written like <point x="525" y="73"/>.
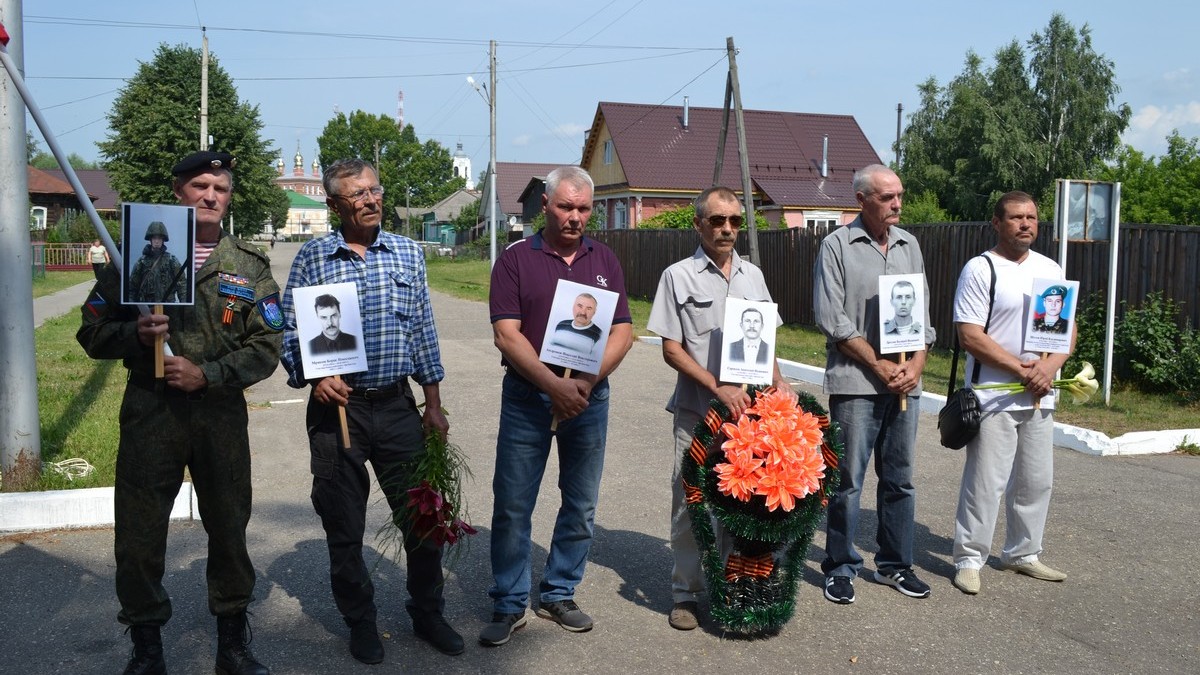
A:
<point x="608" y="151"/>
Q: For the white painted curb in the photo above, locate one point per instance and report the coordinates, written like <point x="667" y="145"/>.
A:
<point x="88" y="507"/>
<point x="1076" y="438"/>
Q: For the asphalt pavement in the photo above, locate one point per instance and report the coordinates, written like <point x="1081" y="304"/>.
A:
<point x="1123" y="528"/>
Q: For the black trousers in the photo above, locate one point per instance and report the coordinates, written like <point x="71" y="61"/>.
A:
<point x="385" y="431"/>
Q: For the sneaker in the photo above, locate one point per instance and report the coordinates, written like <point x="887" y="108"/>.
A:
<point x="839" y="589"/>
<point x="905" y="581"/>
<point x="683" y="616"/>
<point x="566" y="614"/>
<point x="966" y="579"/>
<point x="501" y="628"/>
<point x="1037" y="570"/>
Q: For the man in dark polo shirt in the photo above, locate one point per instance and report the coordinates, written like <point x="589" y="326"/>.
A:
<point x="535" y="395"/>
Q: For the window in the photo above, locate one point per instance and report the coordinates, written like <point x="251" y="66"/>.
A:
<point x="608" y="151"/>
<point x="620" y="216"/>
<point x="822" y="219"/>
<point x="37" y="218"/>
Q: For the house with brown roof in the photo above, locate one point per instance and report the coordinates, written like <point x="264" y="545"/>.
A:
<point x="104" y="198"/>
<point x="646" y="159"/>
<point x="513" y="185"/>
<point x="50" y="199"/>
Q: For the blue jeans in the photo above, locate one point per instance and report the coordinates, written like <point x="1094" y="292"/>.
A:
<point x="873" y="425"/>
<point x="522" y="448"/>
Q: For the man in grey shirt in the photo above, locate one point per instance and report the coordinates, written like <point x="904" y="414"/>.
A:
<point x="865" y="387"/>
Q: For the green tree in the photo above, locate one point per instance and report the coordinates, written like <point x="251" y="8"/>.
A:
<point x="1015" y="125"/>
<point x="423" y="171"/>
<point x="923" y="208"/>
<point x="155" y="122"/>
<point x="45" y="160"/>
<point x="681" y="219"/>
<point x="31" y="146"/>
<point x="1166" y="190"/>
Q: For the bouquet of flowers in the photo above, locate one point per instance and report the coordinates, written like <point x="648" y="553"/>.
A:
<point x="435" y="508"/>
<point x="766" y="477"/>
<point x="1081" y="387"/>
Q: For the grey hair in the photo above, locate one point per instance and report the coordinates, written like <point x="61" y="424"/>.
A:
<point x="572" y="175"/>
<point x="864" y="178"/>
<point x="722" y="193"/>
<point x="344" y="168"/>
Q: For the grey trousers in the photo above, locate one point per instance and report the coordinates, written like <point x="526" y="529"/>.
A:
<point x="1013" y="455"/>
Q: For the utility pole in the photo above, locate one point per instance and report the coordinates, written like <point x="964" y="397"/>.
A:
<point x="899" y="111"/>
<point x="204" y="89"/>
<point x="492" y="151"/>
<point x="20" y="431"/>
<point x="743" y="152"/>
<point x="720" y="163"/>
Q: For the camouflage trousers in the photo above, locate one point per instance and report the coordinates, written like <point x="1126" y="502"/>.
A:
<point x="164" y="431"/>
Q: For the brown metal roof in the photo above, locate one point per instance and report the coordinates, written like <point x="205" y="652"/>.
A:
<point x="41" y="182"/>
<point x="95" y="181"/>
<point x="511" y="179"/>
<point x="657" y="153"/>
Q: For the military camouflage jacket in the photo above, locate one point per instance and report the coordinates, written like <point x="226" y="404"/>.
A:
<point x="156" y="278"/>
<point x="232" y="332"/>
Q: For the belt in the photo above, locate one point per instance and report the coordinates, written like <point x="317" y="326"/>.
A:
<point x="380" y="393"/>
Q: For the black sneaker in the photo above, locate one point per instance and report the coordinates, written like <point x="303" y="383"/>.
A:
<point x="905" y="581"/>
<point x="566" y="614"/>
<point x="839" y="589"/>
<point x="501" y="628"/>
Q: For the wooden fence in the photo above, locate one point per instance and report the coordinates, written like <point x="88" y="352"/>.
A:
<point x="1154" y="258"/>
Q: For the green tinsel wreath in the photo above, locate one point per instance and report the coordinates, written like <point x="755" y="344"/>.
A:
<point x="756" y="606"/>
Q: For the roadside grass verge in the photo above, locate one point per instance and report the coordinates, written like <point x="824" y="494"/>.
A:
<point x="1131" y="410"/>
<point x="57" y="281"/>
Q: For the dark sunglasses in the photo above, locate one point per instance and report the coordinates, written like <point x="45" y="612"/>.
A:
<point x="718" y="221"/>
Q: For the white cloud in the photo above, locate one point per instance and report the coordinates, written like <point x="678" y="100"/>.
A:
<point x="1150" y="125"/>
<point x="522" y="140"/>
<point x="571" y="130"/>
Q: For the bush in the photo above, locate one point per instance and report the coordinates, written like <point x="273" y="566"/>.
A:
<point x="1147" y="342"/>
<point x="76" y="228"/>
<point x="1091" y="320"/>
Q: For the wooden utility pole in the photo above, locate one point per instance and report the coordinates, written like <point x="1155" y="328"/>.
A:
<point x="203" y="89"/>
<point x="743" y="152"/>
<point x="720" y="163"/>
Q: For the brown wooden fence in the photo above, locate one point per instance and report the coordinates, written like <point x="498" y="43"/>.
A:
<point x="1154" y="258"/>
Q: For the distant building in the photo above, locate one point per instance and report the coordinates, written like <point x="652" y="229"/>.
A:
<point x="104" y="198"/>
<point x="646" y="159"/>
<point x="308" y="216"/>
<point x="462" y="167"/>
<point x="50" y="199"/>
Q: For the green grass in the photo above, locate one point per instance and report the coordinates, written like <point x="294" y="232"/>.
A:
<point x="1131" y="410"/>
<point x="57" y="281"/>
<point x="78" y="402"/>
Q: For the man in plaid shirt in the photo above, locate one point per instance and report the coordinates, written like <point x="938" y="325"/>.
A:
<point x="385" y="426"/>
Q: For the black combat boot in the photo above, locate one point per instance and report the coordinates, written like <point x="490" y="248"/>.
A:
<point x="233" y="647"/>
<point x="147" y="656"/>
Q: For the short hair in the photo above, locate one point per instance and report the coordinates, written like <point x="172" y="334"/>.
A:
<point x="723" y="193"/>
<point x="572" y="175"/>
<point x="864" y="178"/>
<point x="903" y="282"/>
<point x="752" y="309"/>
<point x="178" y="182"/>
<point x="344" y="168"/>
<point x="327" y="300"/>
<point x="589" y="296"/>
<point x="1014" y="197"/>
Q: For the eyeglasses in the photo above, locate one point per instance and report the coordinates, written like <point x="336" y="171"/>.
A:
<point x="358" y="196"/>
<point x="719" y="221"/>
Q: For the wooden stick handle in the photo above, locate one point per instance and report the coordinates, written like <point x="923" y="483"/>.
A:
<point x="554" y="422"/>
<point x="342" y="421"/>
<point x="158" y="349"/>
<point x="903" y="397"/>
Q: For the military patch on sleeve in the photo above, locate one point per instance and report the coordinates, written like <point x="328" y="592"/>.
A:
<point x="271" y="313"/>
<point x="95" y="303"/>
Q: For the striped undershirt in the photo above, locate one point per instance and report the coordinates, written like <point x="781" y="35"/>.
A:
<point x="202" y="251"/>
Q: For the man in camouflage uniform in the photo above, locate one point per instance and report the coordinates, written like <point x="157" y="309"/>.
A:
<point x="194" y="418"/>
<point x="157" y="276"/>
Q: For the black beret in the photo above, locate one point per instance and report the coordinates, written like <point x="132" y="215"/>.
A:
<point x="204" y="160"/>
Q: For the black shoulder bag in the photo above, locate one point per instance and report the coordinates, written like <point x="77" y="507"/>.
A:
<point x="958" y="420"/>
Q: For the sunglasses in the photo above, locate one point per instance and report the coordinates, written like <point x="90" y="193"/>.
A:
<point x="719" y="221"/>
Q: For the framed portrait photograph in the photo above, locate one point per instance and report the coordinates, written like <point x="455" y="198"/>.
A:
<point x="748" y="351"/>
<point x="329" y="325"/>
<point x="157" y="244"/>
<point x="901" y="313"/>
<point x="1051" y="317"/>
<point x="578" y="325"/>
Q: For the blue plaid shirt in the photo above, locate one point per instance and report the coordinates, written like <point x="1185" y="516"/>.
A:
<point x="393" y="297"/>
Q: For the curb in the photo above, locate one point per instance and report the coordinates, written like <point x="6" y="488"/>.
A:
<point x="68" y="509"/>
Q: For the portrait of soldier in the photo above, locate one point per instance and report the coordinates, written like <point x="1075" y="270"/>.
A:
<point x="157" y="276"/>
<point x="1052" y="301"/>
<point x="904" y="299"/>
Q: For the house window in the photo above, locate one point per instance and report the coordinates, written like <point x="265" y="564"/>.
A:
<point x="608" y="151"/>
<point x="37" y="218"/>
<point x="620" y="216"/>
<point x="821" y="219"/>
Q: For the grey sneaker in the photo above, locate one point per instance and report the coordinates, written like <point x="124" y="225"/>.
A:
<point x="501" y="628"/>
<point x="566" y="614"/>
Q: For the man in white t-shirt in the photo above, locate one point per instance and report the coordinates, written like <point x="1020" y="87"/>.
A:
<point x="1015" y="444"/>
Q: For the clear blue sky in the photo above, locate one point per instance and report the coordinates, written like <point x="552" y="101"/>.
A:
<point x="859" y="59"/>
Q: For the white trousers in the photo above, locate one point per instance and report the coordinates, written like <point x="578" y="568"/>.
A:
<point x="1013" y="455"/>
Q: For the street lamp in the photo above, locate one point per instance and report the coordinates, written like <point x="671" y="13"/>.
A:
<point x="489" y="97"/>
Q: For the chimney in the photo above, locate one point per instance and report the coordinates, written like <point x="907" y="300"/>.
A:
<point x="825" y="157"/>
<point x="685" y="113"/>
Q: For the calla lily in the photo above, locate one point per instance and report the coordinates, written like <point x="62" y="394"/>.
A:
<point x="1081" y="387"/>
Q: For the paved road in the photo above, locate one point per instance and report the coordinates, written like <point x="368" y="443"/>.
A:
<point x="1123" y="527"/>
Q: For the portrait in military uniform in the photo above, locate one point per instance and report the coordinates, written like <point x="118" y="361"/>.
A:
<point x="330" y="326"/>
<point x="902" y="315"/>
<point x="1051" y="315"/>
<point x="158" y="241"/>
